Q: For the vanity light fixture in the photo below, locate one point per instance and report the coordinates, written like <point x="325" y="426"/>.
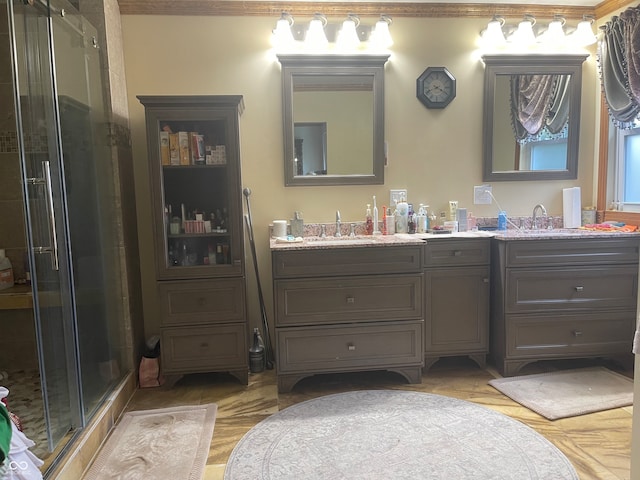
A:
<point x="583" y="34"/>
<point x="380" y="36"/>
<point x="554" y="35"/>
<point x="282" y="38"/>
<point x="524" y="36"/>
<point x="493" y="35"/>
<point x="316" y="39"/>
<point x="321" y="37"/>
<point x="558" y="36"/>
<point x="348" y="36"/>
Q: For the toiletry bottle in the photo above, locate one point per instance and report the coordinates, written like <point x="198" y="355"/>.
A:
<point x="369" y="221"/>
<point x="453" y="208"/>
<point x="297" y="225"/>
<point x="384" y="220"/>
<point x="402" y="216"/>
<point x="421" y="223"/>
<point x="411" y="223"/>
<point x="6" y="271"/>
<point x="502" y="220"/>
<point x="390" y="225"/>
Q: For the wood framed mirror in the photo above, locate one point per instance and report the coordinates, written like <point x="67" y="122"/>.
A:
<point x="531" y="120"/>
<point x="344" y="94"/>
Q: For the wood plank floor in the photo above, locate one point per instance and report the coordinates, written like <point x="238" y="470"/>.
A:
<point x="597" y="444"/>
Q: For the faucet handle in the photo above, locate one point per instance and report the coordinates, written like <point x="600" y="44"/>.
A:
<point x="323" y="232"/>
<point x="352" y="230"/>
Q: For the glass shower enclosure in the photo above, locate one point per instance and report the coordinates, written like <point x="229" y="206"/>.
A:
<point x="68" y="185"/>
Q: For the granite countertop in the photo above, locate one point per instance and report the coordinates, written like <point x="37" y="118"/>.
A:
<point x="560" y="234"/>
<point x="305" y="243"/>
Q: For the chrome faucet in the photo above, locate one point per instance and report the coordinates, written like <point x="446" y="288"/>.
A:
<point x="534" y="217"/>
<point x="338" y="224"/>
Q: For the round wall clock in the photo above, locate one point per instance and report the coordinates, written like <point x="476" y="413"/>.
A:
<point x="436" y="87"/>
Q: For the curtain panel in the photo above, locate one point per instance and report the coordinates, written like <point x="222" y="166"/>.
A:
<point x="619" y="67"/>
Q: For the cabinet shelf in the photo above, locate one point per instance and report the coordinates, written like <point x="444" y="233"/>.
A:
<point x="199" y="235"/>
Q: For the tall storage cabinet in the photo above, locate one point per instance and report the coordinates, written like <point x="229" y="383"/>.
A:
<point x="194" y="167"/>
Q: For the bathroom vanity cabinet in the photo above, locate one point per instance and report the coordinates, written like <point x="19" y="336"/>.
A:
<point x="348" y="309"/>
<point x="456" y="299"/>
<point x="562" y="298"/>
<point x="197" y="230"/>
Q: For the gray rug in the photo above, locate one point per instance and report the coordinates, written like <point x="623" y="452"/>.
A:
<point x="568" y="393"/>
<point x="166" y="443"/>
<point x="388" y="434"/>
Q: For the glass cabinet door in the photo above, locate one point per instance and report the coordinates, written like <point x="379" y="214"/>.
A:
<point x="196" y="188"/>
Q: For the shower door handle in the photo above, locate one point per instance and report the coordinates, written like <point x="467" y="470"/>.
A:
<point x="53" y="236"/>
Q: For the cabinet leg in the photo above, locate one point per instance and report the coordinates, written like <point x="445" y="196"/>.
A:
<point x="480" y="359"/>
<point x="428" y="363"/>
<point x="242" y="375"/>
<point x="412" y="374"/>
<point x="170" y="380"/>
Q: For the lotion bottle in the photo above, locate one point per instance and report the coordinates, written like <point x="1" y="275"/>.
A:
<point x="402" y="216"/>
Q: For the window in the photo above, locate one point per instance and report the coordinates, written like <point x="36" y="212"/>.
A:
<point x="627" y="170"/>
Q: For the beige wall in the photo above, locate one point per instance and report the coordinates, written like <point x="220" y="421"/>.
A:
<point x="435" y="154"/>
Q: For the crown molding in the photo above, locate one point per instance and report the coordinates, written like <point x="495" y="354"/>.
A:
<point x="364" y="9"/>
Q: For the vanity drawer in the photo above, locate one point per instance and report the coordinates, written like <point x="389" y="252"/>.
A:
<point x="371" y="346"/>
<point x="194" y="349"/>
<point x="532" y="290"/>
<point x="348" y="299"/>
<point x="573" y="252"/>
<point x="456" y="252"/>
<point x="571" y="335"/>
<point x="202" y="301"/>
<point x="347" y="261"/>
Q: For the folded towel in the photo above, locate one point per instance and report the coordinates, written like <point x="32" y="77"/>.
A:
<point x="610" y="227"/>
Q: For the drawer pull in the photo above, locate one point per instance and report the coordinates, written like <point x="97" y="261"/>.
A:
<point x="202" y="301"/>
<point x="577" y="333"/>
<point x="204" y="345"/>
<point x="351" y="300"/>
<point x="457" y="253"/>
<point x="485" y="280"/>
<point x="579" y="288"/>
<point x="351" y="347"/>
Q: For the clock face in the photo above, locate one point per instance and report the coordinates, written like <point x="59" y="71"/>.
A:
<point x="436" y="87"/>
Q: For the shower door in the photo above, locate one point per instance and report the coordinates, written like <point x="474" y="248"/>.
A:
<point x="69" y="202"/>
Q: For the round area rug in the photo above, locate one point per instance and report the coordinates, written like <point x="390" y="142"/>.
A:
<point x="390" y="434"/>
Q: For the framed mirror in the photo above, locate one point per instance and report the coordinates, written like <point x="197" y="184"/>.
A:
<point x="333" y="114"/>
<point x="531" y="119"/>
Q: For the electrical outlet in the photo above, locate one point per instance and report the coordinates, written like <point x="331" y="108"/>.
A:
<point x="482" y="195"/>
<point x="396" y="196"/>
